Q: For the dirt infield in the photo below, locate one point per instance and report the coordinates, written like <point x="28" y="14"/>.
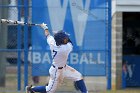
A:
<point x="118" y="91"/>
<point x="11" y="85"/>
<point x="130" y="90"/>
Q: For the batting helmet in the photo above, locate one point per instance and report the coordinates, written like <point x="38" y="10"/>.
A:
<point x="61" y="37"/>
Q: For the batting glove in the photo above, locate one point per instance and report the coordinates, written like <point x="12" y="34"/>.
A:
<point x="44" y="26"/>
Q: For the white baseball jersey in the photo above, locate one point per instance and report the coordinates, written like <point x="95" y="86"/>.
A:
<point x="59" y="53"/>
<point x="60" y="56"/>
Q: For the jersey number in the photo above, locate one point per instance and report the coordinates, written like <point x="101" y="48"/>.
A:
<point x="54" y="53"/>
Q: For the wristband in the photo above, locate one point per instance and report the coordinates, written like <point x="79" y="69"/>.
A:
<point x="47" y="35"/>
<point x="45" y="27"/>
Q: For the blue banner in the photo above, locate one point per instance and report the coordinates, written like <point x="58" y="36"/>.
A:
<point x="85" y="21"/>
<point x="131" y="71"/>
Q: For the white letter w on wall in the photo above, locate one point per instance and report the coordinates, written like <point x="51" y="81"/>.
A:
<point x="79" y="17"/>
<point x="57" y="13"/>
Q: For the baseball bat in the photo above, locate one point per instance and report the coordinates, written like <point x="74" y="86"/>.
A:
<point x="17" y="22"/>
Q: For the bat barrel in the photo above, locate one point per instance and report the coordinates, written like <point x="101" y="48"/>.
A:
<point x="17" y="22"/>
<point x="3" y="20"/>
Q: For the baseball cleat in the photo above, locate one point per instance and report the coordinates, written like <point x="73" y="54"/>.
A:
<point x="29" y="89"/>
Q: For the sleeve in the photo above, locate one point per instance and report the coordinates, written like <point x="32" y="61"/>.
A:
<point x="51" y="41"/>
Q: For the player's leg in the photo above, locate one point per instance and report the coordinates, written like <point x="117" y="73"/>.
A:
<point x="81" y="85"/>
<point x="76" y="76"/>
<point x="55" y="75"/>
<point x="41" y="89"/>
<point x="30" y="89"/>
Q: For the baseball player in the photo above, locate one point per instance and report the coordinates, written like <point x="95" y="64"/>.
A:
<point x="60" y="46"/>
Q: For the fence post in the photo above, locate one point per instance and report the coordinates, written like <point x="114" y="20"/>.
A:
<point x="109" y="46"/>
<point x="25" y="43"/>
<point x="19" y="48"/>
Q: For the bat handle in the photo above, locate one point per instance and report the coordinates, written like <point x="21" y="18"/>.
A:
<point x="37" y="24"/>
<point x="34" y="24"/>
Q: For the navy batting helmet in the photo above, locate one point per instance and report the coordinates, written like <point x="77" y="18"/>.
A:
<point x="61" y="37"/>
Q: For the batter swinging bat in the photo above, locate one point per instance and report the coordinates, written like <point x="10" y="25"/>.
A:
<point x="17" y="22"/>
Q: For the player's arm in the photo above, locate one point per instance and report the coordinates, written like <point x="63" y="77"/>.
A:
<point x="45" y="27"/>
<point x="50" y="39"/>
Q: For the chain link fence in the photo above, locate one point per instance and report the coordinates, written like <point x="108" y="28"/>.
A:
<point x="12" y="45"/>
<point x="12" y="49"/>
<point x="16" y="41"/>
